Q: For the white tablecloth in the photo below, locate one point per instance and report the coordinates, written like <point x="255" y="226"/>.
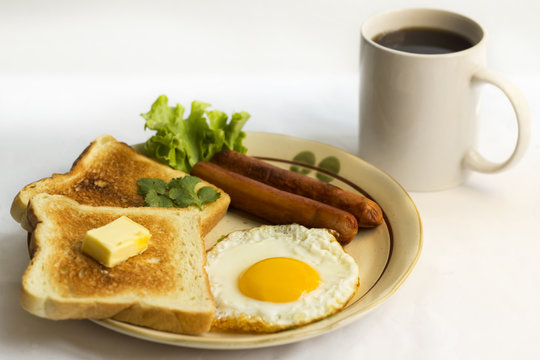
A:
<point x="475" y="292"/>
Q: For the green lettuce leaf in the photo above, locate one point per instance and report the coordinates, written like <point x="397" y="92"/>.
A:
<point x="181" y="143"/>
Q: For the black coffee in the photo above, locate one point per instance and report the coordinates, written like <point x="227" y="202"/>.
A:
<point x="421" y="40"/>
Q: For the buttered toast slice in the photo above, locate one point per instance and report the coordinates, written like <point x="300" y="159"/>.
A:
<point x="164" y="288"/>
<point x="106" y="174"/>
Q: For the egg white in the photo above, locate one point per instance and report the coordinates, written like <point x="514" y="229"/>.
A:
<point x="229" y="258"/>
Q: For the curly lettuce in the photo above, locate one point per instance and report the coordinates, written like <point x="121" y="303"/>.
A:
<point x="181" y="143"/>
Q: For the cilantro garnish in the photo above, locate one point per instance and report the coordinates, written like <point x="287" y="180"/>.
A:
<point x="179" y="192"/>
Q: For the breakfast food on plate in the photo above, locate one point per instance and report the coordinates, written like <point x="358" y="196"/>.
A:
<point x="106" y="174"/>
<point x="121" y="234"/>
<point x="277" y="206"/>
<point x="366" y="211"/>
<point x="165" y="287"/>
<point x="272" y="278"/>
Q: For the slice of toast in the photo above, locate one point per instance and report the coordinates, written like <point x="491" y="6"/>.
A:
<point x="165" y="287"/>
<point x="106" y="174"/>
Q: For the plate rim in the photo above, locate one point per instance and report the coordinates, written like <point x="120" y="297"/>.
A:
<point x="280" y="338"/>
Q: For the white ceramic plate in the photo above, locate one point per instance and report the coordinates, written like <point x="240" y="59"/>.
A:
<point x="385" y="255"/>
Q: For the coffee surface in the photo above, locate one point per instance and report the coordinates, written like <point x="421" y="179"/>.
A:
<point x="420" y="40"/>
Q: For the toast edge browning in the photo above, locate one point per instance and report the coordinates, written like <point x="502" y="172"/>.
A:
<point x="211" y="215"/>
<point x="20" y="204"/>
<point x="134" y="312"/>
<point x="167" y="319"/>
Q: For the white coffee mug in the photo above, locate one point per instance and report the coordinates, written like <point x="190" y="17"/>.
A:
<point x="419" y="112"/>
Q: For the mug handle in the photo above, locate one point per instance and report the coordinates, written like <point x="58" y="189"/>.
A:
<point x="473" y="159"/>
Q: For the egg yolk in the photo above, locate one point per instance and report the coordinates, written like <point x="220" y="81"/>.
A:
<point x="278" y="280"/>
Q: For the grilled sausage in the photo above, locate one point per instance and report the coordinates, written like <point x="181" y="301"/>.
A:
<point x="366" y="211"/>
<point x="277" y="206"/>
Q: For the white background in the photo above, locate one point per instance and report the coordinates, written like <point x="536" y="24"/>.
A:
<point x="73" y="70"/>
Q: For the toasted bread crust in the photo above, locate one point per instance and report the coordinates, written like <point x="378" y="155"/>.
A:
<point x="192" y="322"/>
<point x="165" y="287"/>
<point x="106" y="174"/>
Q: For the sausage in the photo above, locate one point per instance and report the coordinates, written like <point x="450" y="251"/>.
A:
<point x="367" y="212"/>
<point x="277" y="206"/>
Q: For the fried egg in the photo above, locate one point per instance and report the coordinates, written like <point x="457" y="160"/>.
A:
<point x="272" y="278"/>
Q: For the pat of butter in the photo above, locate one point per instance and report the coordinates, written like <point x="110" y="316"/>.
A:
<point x="115" y="242"/>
